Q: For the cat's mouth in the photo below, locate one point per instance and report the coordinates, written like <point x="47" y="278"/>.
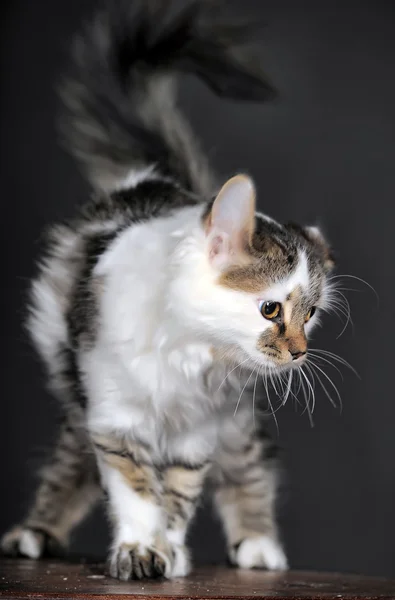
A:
<point x="270" y="360"/>
<point x="281" y="362"/>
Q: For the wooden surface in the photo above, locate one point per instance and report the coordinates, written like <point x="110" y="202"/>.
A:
<point x="63" y="580"/>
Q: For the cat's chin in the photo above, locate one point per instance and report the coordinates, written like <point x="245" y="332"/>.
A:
<point x="251" y="363"/>
<point x="274" y="366"/>
<point x="258" y="360"/>
<point x="250" y="360"/>
<point x="286" y="367"/>
<point x="271" y="367"/>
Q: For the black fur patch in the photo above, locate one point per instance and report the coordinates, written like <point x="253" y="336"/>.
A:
<point x="83" y="312"/>
<point x="150" y="199"/>
<point x="68" y="376"/>
<point x="188" y="466"/>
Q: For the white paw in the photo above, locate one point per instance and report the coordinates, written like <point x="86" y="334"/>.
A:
<point x="182" y="564"/>
<point x="30" y="542"/>
<point x="25" y="542"/>
<point x="261" y="552"/>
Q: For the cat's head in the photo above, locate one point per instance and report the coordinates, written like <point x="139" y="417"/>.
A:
<point x="263" y="285"/>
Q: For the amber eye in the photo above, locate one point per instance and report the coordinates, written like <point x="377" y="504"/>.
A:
<point x="310" y="314"/>
<point x="270" y="310"/>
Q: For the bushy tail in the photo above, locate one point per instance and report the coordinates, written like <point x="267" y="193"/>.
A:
<point x="121" y="111"/>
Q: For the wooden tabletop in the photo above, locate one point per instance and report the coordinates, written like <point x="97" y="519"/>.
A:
<point x="64" y="580"/>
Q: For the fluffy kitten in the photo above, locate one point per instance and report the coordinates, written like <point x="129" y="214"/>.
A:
<point x="146" y="303"/>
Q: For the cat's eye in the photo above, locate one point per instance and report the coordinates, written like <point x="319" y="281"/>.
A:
<point x="310" y="314"/>
<point x="270" y="310"/>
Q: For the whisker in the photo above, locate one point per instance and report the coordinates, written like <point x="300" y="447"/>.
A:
<point x="349" y="319"/>
<point x="288" y="388"/>
<point x="311" y="373"/>
<point x="230" y="372"/>
<point x="307" y="397"/>
<point x="318" y="357"/>
<point x="274" y="385"/>
<point x="331" y="382"/>
<point x="292" y="393"/>
<point x="303" y="389"/>
<point x="299" y="381"/>
<point x="270" y="402"/>
<point x="242" y="391"/>
<point x="358" y="279"/>
<point x="253" y="398"/>
<point x="283" y="383"/>
<point x="337" y="306"/>
<point x="311" y="390"/>
<point x="343" y="289"/>
<point x="324" y="388"/>
<point x="336" y="357"/>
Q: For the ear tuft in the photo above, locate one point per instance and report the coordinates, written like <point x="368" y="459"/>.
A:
<point x="316" y="237"/>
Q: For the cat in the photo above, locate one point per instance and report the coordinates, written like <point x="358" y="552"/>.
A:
<point x="146" y="304"/>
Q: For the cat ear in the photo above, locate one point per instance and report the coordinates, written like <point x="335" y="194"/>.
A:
<point x="230" y="224"/>
<point x="315" y="236"/>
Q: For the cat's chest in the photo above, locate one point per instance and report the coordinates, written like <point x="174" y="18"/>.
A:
<point x="169" y="376"/>
<point x="171" y="400"/>
<point x="162" y="395"/>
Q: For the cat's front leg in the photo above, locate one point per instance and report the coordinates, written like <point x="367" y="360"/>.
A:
<point x="182" y="487"/>
<point x="140" y="548"/>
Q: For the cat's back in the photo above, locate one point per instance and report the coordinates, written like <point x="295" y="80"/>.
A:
<point x="119" y="236"/>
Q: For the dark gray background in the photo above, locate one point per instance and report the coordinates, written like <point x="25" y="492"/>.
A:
<point x="324" y="152"/>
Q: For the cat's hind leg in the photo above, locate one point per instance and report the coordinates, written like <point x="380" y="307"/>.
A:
<point x="244" y="478"/>
<point x="69" y="486"/>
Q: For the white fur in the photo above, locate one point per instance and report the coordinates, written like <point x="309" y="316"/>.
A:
<point x="261" y="552"/>
<point x="298" y="278"/>
<point x="161" y="312"/>
<point x="176" y="536"/>
<point x="182" y="565"/>
<point x="267" y="218"/>
<point x="137" y="521"/>
<point x="30" y="544"/>
<point x="143" y="368"/>
<point x="134" y="177"/>
<point x="150" y="374"/>
<point x="50" y="293"/>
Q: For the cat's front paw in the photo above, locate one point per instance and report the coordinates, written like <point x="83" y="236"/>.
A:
<point x="135" y="561"/>
<point x="181" y="566"/>
<point x="261" y="552"/>
<point x="30" y="543"/>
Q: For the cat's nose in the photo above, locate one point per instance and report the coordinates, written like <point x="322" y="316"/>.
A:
<point x="298" y="354"/>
